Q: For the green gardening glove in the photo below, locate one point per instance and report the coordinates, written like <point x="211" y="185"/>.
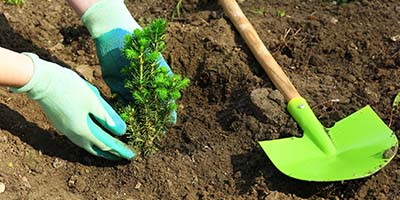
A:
<point x="108" y="22"/>
<point x="76" y="109"/>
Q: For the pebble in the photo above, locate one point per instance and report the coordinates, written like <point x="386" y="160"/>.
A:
<point x="72" y="180"/>
<point x="395" y="38"/>
<point x="81" y="52"/>
<point x="78" y="183"/>
<point x="2" y="187"/>
<point x="58" y="163"/>
<point x="138" y="185"/>
<point x="334" y="20"/>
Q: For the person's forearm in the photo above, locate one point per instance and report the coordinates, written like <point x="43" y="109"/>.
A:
<point x="15" y="69"/>
<point x="80" y="6"/>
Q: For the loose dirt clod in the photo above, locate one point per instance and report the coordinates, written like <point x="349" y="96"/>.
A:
<point x="2" y="187"/>
<point x="270" y="109"/>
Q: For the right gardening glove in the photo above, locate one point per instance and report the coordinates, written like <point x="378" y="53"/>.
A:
<point x="108" y="22"/>
<point x="76" y="109"/>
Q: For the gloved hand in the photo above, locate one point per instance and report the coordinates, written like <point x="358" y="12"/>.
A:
<point x="73" y="105"/>
<point x="108" y="22"/>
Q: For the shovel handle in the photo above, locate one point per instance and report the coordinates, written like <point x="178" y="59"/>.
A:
<point x="257" y="47"/>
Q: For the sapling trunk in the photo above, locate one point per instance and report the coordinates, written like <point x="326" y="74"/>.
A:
<point x="153" y="87"/>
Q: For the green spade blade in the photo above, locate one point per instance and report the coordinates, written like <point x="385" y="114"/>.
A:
<point x="355" y="147"/>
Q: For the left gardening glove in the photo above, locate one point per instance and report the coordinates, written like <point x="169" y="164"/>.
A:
<point x="76" y="109"/>
<point x="108" y="22"/>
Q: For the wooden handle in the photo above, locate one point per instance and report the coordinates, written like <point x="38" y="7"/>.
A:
<point x="249" y="34"/>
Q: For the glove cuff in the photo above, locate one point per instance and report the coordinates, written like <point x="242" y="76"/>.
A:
<point x="107" y="15"/>
<point x="42" y="79"/>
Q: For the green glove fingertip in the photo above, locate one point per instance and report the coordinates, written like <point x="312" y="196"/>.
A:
<point x="117" y="147"/>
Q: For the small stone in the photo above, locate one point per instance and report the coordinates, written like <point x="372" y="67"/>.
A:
<point x="81" y="52"/>
<point x="2" y="187"/>
<point x="58" y="163"/>
<point x="169" y="183"/>
<point x="334" y="20"/>
<point x="395" y="38"/>
<point x="214" y="15"/>
<point x="72" y="180"/>
<point x="138" y="185"/>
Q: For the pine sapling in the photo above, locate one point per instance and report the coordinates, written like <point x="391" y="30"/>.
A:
<point x="154" y="88"/>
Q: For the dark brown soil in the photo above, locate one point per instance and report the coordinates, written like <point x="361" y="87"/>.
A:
<point x="329" y="51"/>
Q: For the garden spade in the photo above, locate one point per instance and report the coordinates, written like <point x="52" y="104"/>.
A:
<point x="355" y="147"/>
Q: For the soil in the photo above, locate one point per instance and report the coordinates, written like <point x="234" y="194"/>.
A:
<point x="340" y="57"/>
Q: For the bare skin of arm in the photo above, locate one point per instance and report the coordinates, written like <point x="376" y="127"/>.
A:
<point x="80" y="6"/>
<point x="16" y="69"/>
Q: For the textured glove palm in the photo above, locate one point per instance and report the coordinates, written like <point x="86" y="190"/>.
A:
<point x="75" y="108"/>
